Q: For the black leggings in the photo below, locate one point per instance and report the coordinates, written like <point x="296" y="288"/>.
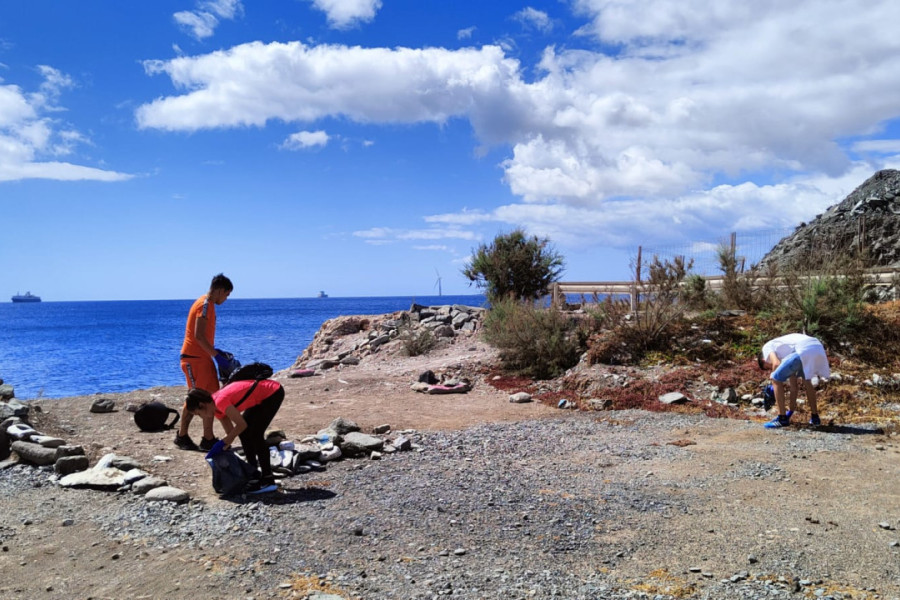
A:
<point x="253" y="438"/>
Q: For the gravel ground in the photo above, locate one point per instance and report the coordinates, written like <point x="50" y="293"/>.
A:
<point x="588" y="505"/>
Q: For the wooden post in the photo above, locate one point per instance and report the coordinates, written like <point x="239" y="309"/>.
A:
<point x="635" y="297"/>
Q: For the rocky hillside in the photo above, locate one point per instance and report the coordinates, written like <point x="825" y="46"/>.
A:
<point x="869" y="217"/>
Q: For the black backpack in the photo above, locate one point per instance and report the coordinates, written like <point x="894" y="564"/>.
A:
<point x="152" y="417"/>
<point x="254" y="370"/>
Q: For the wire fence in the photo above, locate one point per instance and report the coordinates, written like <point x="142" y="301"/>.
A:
<point x="749" y="248"/>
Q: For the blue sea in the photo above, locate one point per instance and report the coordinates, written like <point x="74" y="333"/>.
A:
<point x="60" y="349"/>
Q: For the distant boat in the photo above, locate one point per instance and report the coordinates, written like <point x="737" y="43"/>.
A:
<point x="28" y="297"/>
<point x="322" y="295"/>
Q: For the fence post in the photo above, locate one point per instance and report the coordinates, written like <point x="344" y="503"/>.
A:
<point x="635" y="298"/>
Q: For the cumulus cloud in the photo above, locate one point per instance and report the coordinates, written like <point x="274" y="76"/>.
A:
<point x="202" y="22"/>
<point x="253" y="83"/>
<point x="305" y="139"/>
<point x="534" y="19"/>
<point x="664" y="134"/>
<point x="28" y="135"/>
<point x="344" y="14"/>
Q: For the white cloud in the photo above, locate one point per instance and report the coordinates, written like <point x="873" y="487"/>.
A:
<point x="533" y="18"/>
<point x="27" y="135"/>
<point x="202" y="22"/>
<point x="465" y="34"/>
<point x="434" y="248"/>
<point x="344" y="14"/>
<point x="880" y="146"/>
<point x="607" y="146"/>
<point x="305" y="139"/>
<point x="252" y="83"/>
<point x="387" y="234"/>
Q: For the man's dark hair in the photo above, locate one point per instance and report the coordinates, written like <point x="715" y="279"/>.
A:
<point x="220" y="282"/>
<point x="196" y="397"/>
<point x="761" y="361"/>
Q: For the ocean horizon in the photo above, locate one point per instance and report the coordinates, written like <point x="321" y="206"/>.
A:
<point x="75" y="348"/>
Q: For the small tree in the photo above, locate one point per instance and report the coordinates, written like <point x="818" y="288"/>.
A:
<point x="515" y="266"/>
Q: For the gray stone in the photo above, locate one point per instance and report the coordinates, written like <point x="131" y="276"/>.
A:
<point x="356" y="444"/>
<point x="673" y="398"/>
<point x="402" y="443"/>
<point x="167" y="493"/>
<point x="726" y="396"/>
<point x="103" y="405"/>
<point x="4" y="445"/>
<point x="67" y="450"/>
<point x="444" y="331"/>
<point x="381" y="429"/>
<point x="34" y="454"/>
<point x="342" y="426"/>
<point x="147" y="483"/>
<point x="7" y="392"/>
<point x="66" y="465"/>
<point x="350" y="360"/>
<point x="134" y="475"/>
<point x="48" y="441"/>
<point x="123" y="463"/>
<point x="105" y="478"/>
<point x="520" y="397"/>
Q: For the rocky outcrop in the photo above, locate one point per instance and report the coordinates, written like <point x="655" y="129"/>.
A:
<point x="867" y="219"/>
<point x="344" y="341"/>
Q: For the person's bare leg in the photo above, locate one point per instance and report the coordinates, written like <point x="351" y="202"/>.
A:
<point x="185" y="421"/>
<point x="811" y="397"/>
<point x="795" y="391"/>
<point x="779" y="396"/>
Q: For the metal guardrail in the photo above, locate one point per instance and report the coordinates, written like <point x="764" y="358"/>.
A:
<point x="880" y="276"/>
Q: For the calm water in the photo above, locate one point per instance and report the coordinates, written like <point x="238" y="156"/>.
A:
<point x="59" y="349"/>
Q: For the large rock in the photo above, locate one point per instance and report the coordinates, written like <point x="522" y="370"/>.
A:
<point x="12" y="407"/>
<point x="166" y="493"/>
<point x="7" y="391"/>
<point x="147" y="483"/>
<point x="107" y="478"/>
<point x="66" y="465"/>
<point x="356" y="443"/>
<point x="34" y="454"/>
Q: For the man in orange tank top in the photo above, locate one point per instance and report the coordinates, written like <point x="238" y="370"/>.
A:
<point x="199" y="357"/>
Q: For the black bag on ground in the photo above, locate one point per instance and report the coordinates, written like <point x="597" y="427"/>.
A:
<point x="230" y="473"/>
<point x="254" y="370"/>
<point x="152" y="416"/>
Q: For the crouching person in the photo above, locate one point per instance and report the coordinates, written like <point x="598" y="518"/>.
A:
<point x="245" y="409"/>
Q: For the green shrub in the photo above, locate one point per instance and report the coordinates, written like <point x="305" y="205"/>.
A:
<point x="538" y="342"/>
<point x="514" y="266"/>
<point x="417" y="341"/>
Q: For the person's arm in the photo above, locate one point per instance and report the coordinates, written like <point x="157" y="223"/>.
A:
<point x="235" y="416"/>
<point x="227" y="425"/>
<point x="200" y="335"/>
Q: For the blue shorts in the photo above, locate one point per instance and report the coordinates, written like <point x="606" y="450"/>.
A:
<point x="791" y="365"/>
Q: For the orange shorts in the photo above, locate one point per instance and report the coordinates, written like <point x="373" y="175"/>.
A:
<point x="200" y="373"/>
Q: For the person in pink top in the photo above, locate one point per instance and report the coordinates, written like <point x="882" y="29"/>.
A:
<point x="245" y="409"/>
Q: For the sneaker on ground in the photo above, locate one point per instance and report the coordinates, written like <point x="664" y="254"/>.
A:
<point x="206" y="445"/>
<point x="814" y="420"/>
<point x="186" y="443"/>
<point x="260" y="486"/>
<point x="777" y="422"/>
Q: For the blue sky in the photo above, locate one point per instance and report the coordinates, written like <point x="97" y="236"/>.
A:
<point x="363" y="147"/>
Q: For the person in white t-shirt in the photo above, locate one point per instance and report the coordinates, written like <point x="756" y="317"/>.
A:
<point x="791" y="358"/>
